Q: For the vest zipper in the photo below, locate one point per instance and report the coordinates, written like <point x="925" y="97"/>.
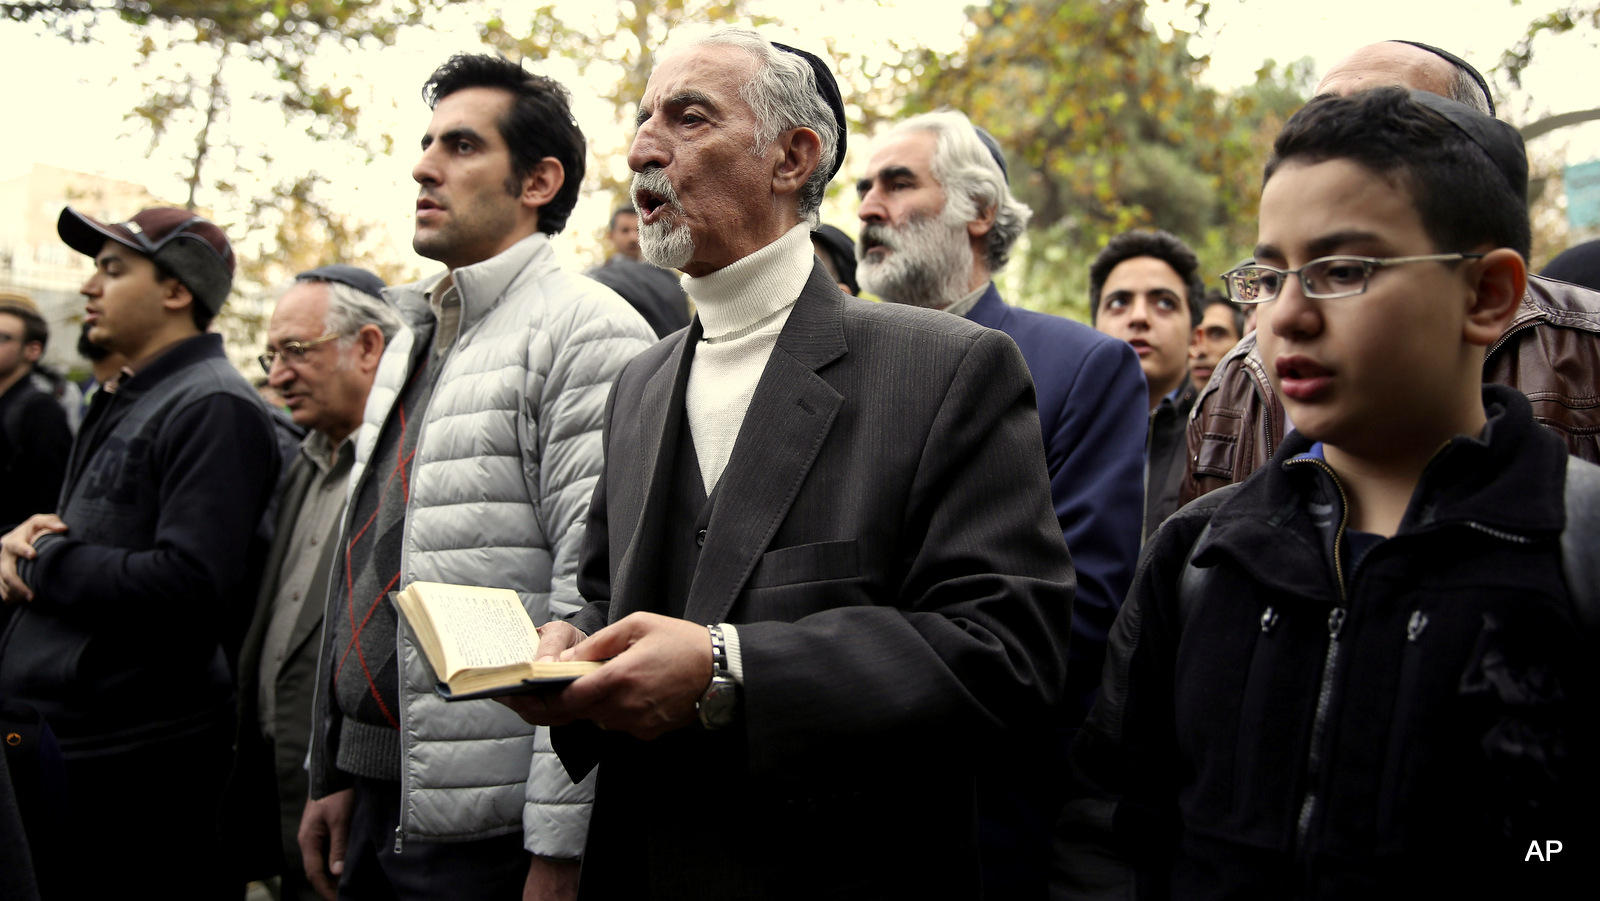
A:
<point x="1330" y="660"/>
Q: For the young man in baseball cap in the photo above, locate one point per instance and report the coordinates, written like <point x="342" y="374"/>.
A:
<point x="129" y="603"/>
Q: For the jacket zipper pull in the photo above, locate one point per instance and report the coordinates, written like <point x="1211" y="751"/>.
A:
<point x="1269" y="618"/>
<point x="1414" y="627"/>
<point x="397" y="839"/>
<point x="1335" y="622"/>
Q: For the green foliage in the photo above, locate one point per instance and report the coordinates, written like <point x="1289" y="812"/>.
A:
<point x="1517" y="58"/>
<point x="1107" y="128"/>
<point x="190" y="56"/>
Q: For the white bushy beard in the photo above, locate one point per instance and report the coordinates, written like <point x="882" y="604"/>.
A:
<point x="929" y="264"/>
<point x="666" y="243"/>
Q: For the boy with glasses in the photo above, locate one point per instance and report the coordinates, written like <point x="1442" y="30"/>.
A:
<point x="128" y="607"/>
<point x="1361" y="672"/>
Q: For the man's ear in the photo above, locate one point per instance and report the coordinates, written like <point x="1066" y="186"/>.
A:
<point x="542" y="183"/>
<point x="176" y="295"/>
<point x="32" y="351"/>
<point x="1501" y="278"/>
<point x="800" y="154"/>
<point x="368" y="348"/>
<point x="984" y="222"/>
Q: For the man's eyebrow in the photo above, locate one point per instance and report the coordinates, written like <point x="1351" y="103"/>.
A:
<point x="1325" y="245"/>
<point x="682" y="98"/>
<point x="107" y="258"/>
<point x="459" y="133"/>
<point x="1330" y="243"/>
<point x="887" y="173"/>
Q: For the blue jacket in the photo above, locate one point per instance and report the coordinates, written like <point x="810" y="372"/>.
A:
<point x="1093" y="413"/>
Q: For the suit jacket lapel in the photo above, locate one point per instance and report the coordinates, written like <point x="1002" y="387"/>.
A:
<point x="661" y="418"/>
<point x="790" y="415"/>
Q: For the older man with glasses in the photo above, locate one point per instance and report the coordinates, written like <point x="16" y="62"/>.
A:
<point x="327" y="334"/>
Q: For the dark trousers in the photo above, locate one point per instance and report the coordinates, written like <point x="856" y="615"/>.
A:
<point x="148" y="821"/>
<point x="484" y="870"/>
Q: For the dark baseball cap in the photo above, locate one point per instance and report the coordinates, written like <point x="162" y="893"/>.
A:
<point x="189" y="246"/>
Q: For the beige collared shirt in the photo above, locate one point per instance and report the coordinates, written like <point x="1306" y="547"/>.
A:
<point x="323" y="505"/>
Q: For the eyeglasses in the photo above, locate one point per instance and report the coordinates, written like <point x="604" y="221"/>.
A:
<point x="1323" y="279"/>
<point x="293" y="352"/>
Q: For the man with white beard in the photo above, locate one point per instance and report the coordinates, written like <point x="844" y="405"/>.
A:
<point x="938" y="220"/>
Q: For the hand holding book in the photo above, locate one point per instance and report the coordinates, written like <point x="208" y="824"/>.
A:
<point x="480" y="642"/>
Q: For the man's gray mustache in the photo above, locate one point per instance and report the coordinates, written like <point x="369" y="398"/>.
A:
<point x="878" y="235"/>
<point x="654" y="181"/>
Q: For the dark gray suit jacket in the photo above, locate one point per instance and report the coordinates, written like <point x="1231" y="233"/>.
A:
<point x="884" y="540"/>
<point x="271" y="791"/>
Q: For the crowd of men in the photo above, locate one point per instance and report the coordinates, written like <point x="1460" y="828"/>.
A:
<point x="891" y="600"/>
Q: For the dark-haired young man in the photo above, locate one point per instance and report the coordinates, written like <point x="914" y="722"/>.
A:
<point x="1361" y="672"/>
<point x="1144" y="288"/>
<point x="474" y="465"/>
<point x="1221" y="326"/>
<point x="130" y="603"/>
<point x="34" y="435"/>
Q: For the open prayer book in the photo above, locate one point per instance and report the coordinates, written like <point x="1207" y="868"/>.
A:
<point x="480" y="642"/>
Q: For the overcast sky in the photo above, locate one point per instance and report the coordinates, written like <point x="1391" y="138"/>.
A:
<point x="68" y="100"/>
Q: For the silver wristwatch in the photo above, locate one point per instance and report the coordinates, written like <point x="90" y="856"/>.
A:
<point x="720" y="704"/>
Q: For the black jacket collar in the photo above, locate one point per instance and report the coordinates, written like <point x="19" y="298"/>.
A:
<point x="1509" y="480"/>
<point x="182" y="354"/>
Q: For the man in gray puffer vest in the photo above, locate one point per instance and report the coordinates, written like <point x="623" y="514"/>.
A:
<point x="474" y="465"/>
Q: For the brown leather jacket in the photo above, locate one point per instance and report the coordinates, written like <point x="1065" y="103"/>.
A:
<point x="1551" y="353"/>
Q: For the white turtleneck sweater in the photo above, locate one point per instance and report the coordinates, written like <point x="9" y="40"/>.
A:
<point x="742" y="308"/>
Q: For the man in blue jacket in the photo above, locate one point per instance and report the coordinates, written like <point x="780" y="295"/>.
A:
<point x="129" y="605"/>
<point x="938" y="220"/>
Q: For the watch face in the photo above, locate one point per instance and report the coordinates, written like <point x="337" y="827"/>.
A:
<point x="717" y="705"/>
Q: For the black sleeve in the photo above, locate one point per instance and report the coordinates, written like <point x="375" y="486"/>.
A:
<point x="218" y="464"/>
<point x="39" y="460"/>
<point x="1126" y="757"/>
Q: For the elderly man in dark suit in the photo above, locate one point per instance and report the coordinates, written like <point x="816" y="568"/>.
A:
<point x="821" y="562"/>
